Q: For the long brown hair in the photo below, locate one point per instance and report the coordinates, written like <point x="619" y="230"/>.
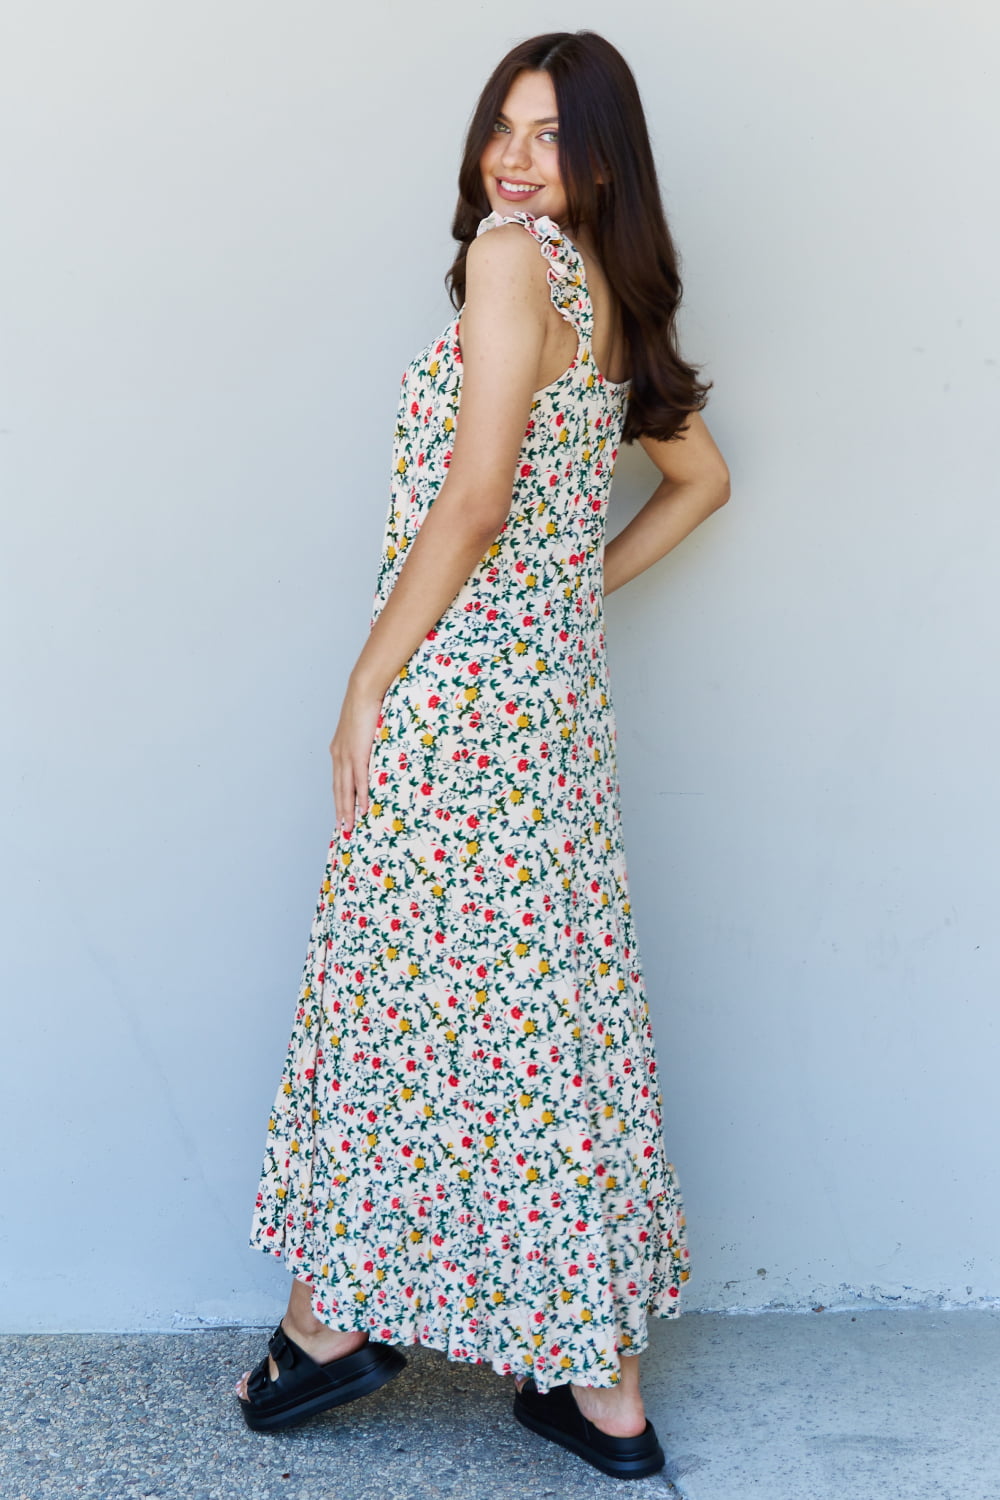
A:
<point x="602" y="135"/>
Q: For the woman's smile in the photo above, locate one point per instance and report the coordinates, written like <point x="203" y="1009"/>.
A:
<point x="509" y="187"/>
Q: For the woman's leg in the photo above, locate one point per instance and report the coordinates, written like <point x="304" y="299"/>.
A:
<point x="319" y="1341"/>
<point x="618" y="1409"/>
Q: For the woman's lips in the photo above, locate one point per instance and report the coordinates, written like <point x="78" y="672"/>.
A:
<point x="517" y="195"/>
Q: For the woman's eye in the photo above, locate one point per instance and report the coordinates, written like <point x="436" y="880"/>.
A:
<point x="551" y="136"/>
<point x="499" y="125"/>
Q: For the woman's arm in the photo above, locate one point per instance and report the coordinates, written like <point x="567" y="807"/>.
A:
<point x="502" y="334"/>
<point x="695" y="482"/>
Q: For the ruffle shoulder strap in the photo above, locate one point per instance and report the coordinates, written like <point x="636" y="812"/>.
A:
<point x="567" y="282"/>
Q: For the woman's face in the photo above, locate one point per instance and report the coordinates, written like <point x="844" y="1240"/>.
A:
<point x="520" y="165"/>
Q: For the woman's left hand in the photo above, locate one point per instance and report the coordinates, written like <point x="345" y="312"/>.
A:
<point x="350" y="751"/>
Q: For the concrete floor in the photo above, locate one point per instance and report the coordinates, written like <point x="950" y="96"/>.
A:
<point x="828" y="1406"/>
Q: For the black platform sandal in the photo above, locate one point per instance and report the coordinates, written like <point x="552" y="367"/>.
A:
<point x="557" y="1417"/>
<point x="304" y="1387"/>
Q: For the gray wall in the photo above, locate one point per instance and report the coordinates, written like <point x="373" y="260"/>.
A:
<point x="225" y="228"/>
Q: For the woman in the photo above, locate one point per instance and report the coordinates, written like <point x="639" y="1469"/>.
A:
<point x="466" y="1148"/>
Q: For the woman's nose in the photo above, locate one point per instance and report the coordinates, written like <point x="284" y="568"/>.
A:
<point x="516" y="154"/>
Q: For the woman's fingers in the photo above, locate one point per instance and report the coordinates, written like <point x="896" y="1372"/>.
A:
<point x="351" y="752"/>
<point x="361" y="781"/>
<point x="343" y="792"/>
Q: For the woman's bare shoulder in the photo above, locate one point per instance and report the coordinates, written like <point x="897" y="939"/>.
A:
<point x="506" y="259"/>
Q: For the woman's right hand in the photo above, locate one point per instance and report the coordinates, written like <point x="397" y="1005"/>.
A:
<point x="350" y="751"/>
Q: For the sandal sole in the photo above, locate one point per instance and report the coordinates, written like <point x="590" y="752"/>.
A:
<point x="386" y="1368"/>
<point x="638" y="1467"/>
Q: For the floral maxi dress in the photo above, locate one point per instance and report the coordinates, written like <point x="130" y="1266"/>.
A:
<point x="465" y="1151"/>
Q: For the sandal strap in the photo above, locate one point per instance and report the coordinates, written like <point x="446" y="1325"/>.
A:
<point x="286" y="1355"/>
<point x="282" y="1350"/>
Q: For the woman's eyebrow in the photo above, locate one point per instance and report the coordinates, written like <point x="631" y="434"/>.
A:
<point x="549" y="119"/>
